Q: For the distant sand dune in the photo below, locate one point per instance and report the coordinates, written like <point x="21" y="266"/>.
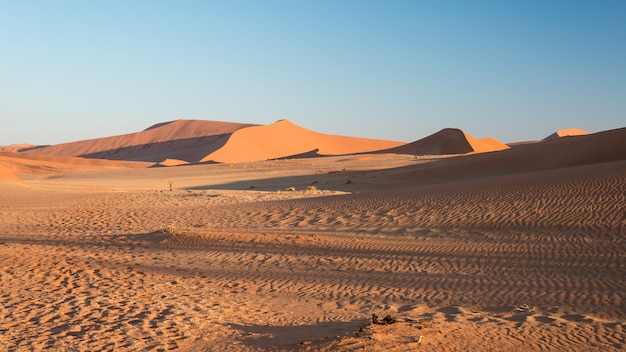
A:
<point x="14" y="148"/>
<point x="599" y="147"/>
<point x="283" y="138"/>
<point x="188" y="140"/>
<point x="173" y="162"/>
<point x="567" y="132"/>
<point x="32" y="163"/>
<point x="449" y="141"/>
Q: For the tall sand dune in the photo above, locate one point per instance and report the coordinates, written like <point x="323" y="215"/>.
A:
<point x="283" y="138"/>
<point x="187" y="140"/>
<point x="449" y="141"/>
<point x="567" y="132"/>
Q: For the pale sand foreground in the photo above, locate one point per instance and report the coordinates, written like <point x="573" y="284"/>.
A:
<point x="82" y="266"/>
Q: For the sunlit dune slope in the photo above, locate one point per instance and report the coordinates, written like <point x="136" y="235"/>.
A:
<point x="31" y="163"/>
<point x="7" y="177"/>
<point x="283" y="138"/>
<point x="567" y="132"/>
<point x="449" y="141"/>
<point x="187" y="140"/>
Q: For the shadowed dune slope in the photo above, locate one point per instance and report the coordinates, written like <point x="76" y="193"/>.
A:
<point x="283" y="138"/>
<point x="567" y="132"/>
<point x="449" y="141"/>
<point x="594" y="148"/>
<point x="187" y="140"/>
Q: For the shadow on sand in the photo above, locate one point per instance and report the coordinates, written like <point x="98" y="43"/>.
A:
<point x="290" y="337"/>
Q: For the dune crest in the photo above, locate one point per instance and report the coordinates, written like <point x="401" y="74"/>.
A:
<point x="188" y="140"/>
<point x="283" y="138"/>
<point x="449" y="141"/>
<point x="566" y="133"/>
<point x="16" y="148"/>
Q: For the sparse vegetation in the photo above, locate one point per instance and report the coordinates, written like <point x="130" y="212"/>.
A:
<point x="387" y="320"/>
<point x="311" y="188"/>
<point x="173" y="231"/>
<point x="349" y="182"/>
<point x="170" y="182"/>
<point x="290" y="189"/>
<point x="524" y="308"/>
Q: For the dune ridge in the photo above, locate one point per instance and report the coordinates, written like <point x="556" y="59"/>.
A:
<point x="16" y="148"/>
<point x="181" y="139"/>
<point x="566" y="132"/>
<point x="32" y="163"/>
<point x="449" y="141"/>
<point x="283" y="138"/>
<point x="601" y="147"/>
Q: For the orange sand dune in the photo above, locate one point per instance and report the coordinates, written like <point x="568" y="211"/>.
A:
<point x="567" y="132"/>
<point x="15" y="148"/>
<point x="31" y="163"/>
<point x="283" y="138"/>
<point x="449" y="141"/>
<point x="187" y="140"/>
<point x="6" y="176"/>
<point x="594" y="148"/>
<point x="485" y="145"/>
<point x="172" y="162"/>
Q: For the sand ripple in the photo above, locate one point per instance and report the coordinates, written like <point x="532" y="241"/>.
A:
<point x="253" y="271"/>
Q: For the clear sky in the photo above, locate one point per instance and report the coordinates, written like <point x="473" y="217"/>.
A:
<point x="399" y="70"/>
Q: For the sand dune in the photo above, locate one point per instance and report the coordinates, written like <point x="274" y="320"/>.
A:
<point x="173" y="162"/>
<point x="31" y="163"/>
<point x="567" y="132"/>
<point x="187" y="140"/>
<point x="6" y="176"/>
<point x="517" y="250"/>
<point x="283" y="138"/>
<point x="595" y="148"/>
<point x="449" y="141"/>
<point x="15" y="148"/>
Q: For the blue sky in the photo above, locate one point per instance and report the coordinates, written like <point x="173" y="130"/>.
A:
<point x="399" y="70"/>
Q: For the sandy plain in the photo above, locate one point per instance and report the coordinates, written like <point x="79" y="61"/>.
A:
<point x="526" y="255"/>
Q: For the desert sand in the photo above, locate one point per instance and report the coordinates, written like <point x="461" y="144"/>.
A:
<point x="521" y="249"/>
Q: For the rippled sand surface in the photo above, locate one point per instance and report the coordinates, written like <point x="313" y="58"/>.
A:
<point x="112" y="260"/>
